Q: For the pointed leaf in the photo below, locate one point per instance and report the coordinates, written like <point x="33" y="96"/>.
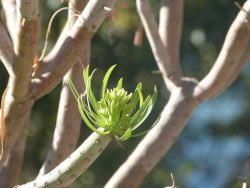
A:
<point x="86" y="74"/>
<point x="140" y="96"/>
<point x="90" y="95"/>
<point x="146" y="131"/>
<point x="105" y="81"/>
<point x="119" y="84"/>
<point x="126" y="135"/>
<point x="88" y="122"/>
<point x="131" y="106"/>
<point x="145" y="111"/>
<point x="73" y="88"/>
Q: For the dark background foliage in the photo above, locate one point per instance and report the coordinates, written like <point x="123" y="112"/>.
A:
<point x="212" y="150"/>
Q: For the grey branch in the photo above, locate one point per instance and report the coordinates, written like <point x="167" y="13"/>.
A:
<point x="9" y="8"/>
<point x="72" y="47"/>
<point x="171" y="76"/>
<point x="170" y="27"/>
<point x="229" y="59"/>
<point x="71" y="168"/>
<point x="11" y="170"/>
<point x="6" y="50"/>
<point x="183" y="100"/>
<point x="68" y="122"/>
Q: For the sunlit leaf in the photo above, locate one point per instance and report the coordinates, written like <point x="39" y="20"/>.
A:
<point x="105" y="80"/>
<point x="117" y="112"/>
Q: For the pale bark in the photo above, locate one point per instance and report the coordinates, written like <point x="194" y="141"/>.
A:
<point x="72" y="47"/>
<point x="68" y="122"/>
<point x="184" y="98"/>
<point x="6" y="50"/>
<point x="25" y="46"/>
<point x="71" y="168"/>
<point x="170" y="75"/>
<point x="9" y="7"/>
<point x="21" y="95"/>
<point x="19" y="98"/>
<point x="156" y="143"/>
<point x="170" y="29"/>
<point x="234" y="47"/>
<point x="16" y="103"/>
<point x="11" y="170"/>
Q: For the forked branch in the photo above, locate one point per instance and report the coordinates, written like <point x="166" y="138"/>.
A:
<point x="183" y="99"/>
<point x="227" y="63"/>
<point x="72" y="46"/>
<point x="68" y="121"/>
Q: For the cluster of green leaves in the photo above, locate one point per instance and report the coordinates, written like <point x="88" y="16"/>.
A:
<point x="117" y="113"/>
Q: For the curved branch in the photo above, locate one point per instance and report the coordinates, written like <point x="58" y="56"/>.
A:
<point x="74" y="44"/>
<point x="71" y="168"/>
<point x="227" y="63"/>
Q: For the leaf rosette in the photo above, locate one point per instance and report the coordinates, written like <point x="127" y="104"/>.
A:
<point x="118" y="112"/>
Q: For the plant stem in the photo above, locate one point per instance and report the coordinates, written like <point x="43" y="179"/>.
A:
<point x="72" y="167"/>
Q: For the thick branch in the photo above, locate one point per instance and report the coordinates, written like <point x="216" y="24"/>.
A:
<point x="6" y="50"/>
<point x="16" y="113"/>
<point x="157" y="142"/>
<point x="73" y="45"/>
<point x="68" y="123"/>
<point x="68" y="119"/>
<point x="226" y="65"/>
<point x="71" y="168"/>
<point x="25" y="45"/>
<point x="170" y="74"/>
<point x="170" y="26"/>
<point x="10" y="171"/>
<point x="16" y="104"/>
<point x="182" y="101"/>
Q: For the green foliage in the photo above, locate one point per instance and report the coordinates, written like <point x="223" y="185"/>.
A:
<point x="117" y="112"/>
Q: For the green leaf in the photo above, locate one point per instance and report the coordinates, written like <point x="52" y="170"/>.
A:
<point x="131" y="106"/>
<point x="126" y="135"/>
<point x="145" y="110"/>
<point x="93" y="117"/>
<point x="140" y="94"/>
<point x="90" y="95"/>
<point x="146" y="131"/>
<point x="134" y="100"/>
<point x="88" y="122"/>
<point x="73" y="88"/>
<point x="119" y="85"/>
<point x="86" y="74"/>
<point x="105" y="81"/>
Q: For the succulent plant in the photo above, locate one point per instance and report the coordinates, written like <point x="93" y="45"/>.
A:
<point x="117" y="113"/>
